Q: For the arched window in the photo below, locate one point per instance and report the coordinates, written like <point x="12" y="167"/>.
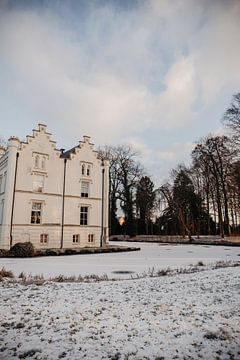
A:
<point x="36" y="165"/>
<point x="88" y="170"/>
<point x="83" y="169"/>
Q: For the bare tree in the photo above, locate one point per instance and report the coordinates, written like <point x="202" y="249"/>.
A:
<point x="215" y="156"/>
<point x="125" y="173"/>
<point x="231" y="119"/>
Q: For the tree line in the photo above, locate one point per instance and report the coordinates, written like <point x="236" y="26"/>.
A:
<point x="202" y="198"/>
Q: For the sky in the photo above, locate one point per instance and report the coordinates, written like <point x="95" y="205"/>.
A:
<point x="155" y="74"/>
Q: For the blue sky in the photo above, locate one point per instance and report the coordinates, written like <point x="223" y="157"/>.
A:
<point x="157" y="74"/>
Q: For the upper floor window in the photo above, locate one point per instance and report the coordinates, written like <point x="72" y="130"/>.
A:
<point x="40" y="161"/>
<point x="1" y="211"/>
<point x="36" y="213"/>
<point x="4" y="181"/>
<point x="84" y="215"/>
<point x="43" y="163"/>
<point x="84" y="189"/>
<point x="38" y="183"/>
<point x="83" y="169"/>
<point x="37" y="162"/>
<point x="88" y="170"/>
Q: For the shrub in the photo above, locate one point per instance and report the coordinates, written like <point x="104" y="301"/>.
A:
<point x="6" y="273"/>
<point x="22" y="250"/>
<point x="3" y="253"/>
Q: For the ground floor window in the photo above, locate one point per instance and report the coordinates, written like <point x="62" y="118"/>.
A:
<point x="90" y="238"/>
<point x="44" y="238"/>
<point x="36" y="213"/>
<point x="76" y="238"/>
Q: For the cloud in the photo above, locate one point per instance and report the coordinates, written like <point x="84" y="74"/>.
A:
<point x="115" y="72"/>
<point x="159" y="161"/>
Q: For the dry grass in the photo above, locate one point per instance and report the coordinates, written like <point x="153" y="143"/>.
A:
<point x="5" y="274"/>
<point x="25" y="279"/>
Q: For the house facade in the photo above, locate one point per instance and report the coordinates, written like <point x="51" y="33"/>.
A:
<point x="52" y="198"/>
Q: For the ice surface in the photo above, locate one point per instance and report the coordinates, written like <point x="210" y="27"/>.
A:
<point x="116" y="264"/>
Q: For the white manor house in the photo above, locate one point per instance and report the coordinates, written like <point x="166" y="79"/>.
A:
<point x="52" y="198"/>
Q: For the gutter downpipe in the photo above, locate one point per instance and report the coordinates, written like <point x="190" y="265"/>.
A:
<point x="63" y="201"/>
<point x="13" y="198"/>
<point x="102" y="219"/>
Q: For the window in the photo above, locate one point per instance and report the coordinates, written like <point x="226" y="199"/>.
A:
<point x="1" y="183"/>
<point x="38" y="183"/>
<point x="44" y="238"/>
<point x="4" y="181"/>
<point x="88" y="170"/>
<point x="36" y="163"/>
<point x="43" y="163"/>
<point x="84" y="215"/>
<point x="84" y="189"/>
<point x="36" y="213"/>
<point x="40" y="161"/>
<point x="76" y="238"/>
<point x="1" y="212"/>
<point x="90" y="238"/>
<point x="83" y="169"/>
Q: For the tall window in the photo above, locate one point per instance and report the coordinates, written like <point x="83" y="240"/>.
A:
<point x="84" y="215"/>
<point x="1" y="211"/>
<point x="4" y="181"/>
<point x="84" y="189"/>
<point x="38" y="183"/>
<point x="36" y="213"/>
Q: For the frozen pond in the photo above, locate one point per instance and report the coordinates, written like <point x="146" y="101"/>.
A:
<point x="123" y="265"/>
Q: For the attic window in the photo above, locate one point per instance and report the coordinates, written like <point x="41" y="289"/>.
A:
<point x="88" y="170"/>
<point x="36" y="163"/>
<point x="43" y="162"/>
<point x="83" y="169"/>
<point x="40" y="161"/>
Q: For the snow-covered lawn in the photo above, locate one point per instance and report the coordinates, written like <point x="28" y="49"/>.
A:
<point x="188" y="316"/>
<point x="113" y="264"/>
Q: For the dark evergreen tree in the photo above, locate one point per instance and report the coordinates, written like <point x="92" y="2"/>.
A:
<point x="145" y="202"/>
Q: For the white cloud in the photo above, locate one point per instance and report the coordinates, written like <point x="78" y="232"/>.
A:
<point x="118" y="74"/>
<point x="159" y="161"/>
